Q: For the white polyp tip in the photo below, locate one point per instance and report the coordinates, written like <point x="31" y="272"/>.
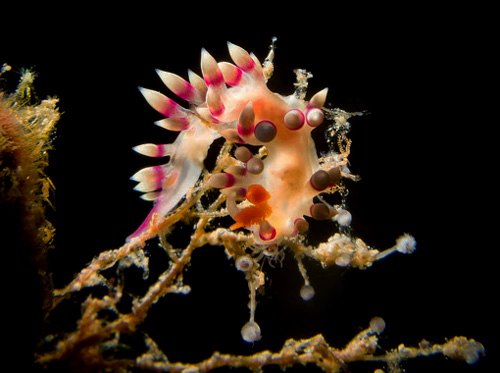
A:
<point x="406" y="244"/>
<point x="244" y="263"/>
<point x="471" y="357"/>
<point x="464" y="349"/>
<point x="186" y="289"/>
<point x="343" y="260"/>
<point x="251" y="332"/>
<point x="344" y="218"/>
<point x="307" y="292"/>
<point x="377" y="325"/>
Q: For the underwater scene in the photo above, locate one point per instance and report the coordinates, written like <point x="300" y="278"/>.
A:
<point x="298" y="195"/>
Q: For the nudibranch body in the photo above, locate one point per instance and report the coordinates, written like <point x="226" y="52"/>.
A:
<point x="276" y="186"/>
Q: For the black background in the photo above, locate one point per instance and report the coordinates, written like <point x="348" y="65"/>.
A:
<point x="424" y="154"/>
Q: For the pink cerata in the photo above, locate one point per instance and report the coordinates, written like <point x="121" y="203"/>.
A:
<point x="270" y="191"/>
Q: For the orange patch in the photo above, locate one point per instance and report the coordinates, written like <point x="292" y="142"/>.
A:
<point x="257" y="193"/>
<point x="253" y="215"/>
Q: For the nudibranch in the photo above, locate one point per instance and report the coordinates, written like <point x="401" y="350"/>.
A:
<point x="268" y="193"/>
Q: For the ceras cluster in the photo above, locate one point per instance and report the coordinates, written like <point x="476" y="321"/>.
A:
<point x="233" y="101"/>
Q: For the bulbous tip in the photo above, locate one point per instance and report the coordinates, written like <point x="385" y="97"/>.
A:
<point x="265" y="131"/>
<point x="320" y="211"/>
<point x="377" y="325"/>
<point x="266" y="231"/>
<point x="320" y="180"/>
<point x="243" y="154"/>
<point x="244" y="263"/>
<point x="294" y="119"/>
<point x="301" y="225"/>
<point x="307" y="292"/>
<point x="315" y="117"/>
<point x="251" y="332"/>
<point x="255" y="166"/>
<point x="221" y="180"/>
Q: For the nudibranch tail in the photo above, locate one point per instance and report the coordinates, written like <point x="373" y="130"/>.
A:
<point x="268" y="193"/>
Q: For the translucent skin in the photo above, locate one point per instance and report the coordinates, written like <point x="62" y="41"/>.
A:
<point x="236" y="100"/>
